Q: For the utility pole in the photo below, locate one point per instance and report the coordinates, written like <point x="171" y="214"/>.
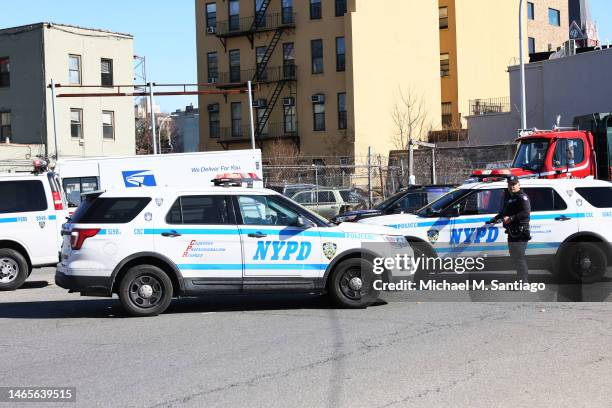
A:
<point x="153" y="130"/>
<point x="522" y="62"/>
<point x="370" y="195"/>
<point x="54" y="119"/>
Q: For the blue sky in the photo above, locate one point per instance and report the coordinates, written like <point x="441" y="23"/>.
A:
<point x="164" y="31"/>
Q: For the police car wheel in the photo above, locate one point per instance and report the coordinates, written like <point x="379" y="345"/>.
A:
<point x="145" y="290"/>
<point x="587" y="262"/>
<point x="13" y="269"/>
<point x="351" y="283"/>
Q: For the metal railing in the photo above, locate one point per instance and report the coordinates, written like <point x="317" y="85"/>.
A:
<point x="490" y="105"/>
<point x="269" y="74"/>
<point x="448" y="135"/>
<point x="271" y="131"/>
<point x="242" y="25"/>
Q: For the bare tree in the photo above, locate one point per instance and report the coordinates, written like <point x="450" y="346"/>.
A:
<point x="410" y="119"/>
<point x="279" y="156"/>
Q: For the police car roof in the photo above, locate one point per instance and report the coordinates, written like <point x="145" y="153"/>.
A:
<point x="162" y="191"/>
<point x="540" y="182"/>
<point x="23" y="175"/>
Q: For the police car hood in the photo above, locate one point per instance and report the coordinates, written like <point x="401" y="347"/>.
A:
<point x="366" y="229"/>
<point x="392" y="221"/>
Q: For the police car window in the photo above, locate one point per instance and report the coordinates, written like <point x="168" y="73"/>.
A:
<point x="263" y="210"/>
<point x="116" y="210"/>
<point x="598" y="197"/>
<point x="482" y="202"/>
<point x="411" y="202"/>
<point x="544" y="199"/>
<point x="22" y="196"/>
<point x="199" y="210"/>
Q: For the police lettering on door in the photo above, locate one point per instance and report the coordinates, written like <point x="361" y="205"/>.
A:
<point x="282" y="250"/>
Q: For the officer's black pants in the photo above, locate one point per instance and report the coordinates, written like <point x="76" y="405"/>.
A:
<point x="517" y="253"/>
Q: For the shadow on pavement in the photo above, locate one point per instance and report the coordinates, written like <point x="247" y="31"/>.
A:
<point x="111" y="308"/>
<point x="34" y="285"/>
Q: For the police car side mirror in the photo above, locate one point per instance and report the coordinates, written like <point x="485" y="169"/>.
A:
<point x="301" y="222"/>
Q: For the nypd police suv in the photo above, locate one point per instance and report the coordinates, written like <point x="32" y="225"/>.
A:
<point x="151" y="244"/>
<point x="571" y="226"/>
<point x="32" y="210"/>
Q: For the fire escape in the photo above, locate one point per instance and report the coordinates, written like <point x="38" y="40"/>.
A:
<point x="278" y="78"/>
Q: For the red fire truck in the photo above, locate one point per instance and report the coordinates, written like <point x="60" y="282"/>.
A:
<point x="579" y="152"/>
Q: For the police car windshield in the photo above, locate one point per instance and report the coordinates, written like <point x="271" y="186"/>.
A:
<point x="531" y="154"/>
<point x="434" y="209"/>
<point x="389" y="201"/>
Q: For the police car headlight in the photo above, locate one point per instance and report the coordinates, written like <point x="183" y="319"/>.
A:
<point x="396" y="240"/>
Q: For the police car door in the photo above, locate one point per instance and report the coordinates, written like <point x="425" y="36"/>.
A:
<point x="273" y="246"/>
<point x="550" y="221"/>
<point x="471" y="236"/>
<point x="27" y="216"/>
<point x="200" y="236"/>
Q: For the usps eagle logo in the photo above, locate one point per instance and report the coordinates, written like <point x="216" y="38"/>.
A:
<point x="329" y="250"/>
<point x="433" y="236"/>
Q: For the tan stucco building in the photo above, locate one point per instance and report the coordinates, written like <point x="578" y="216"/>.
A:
<point x="330" y="72"/>
<point x="479" y="40"/>
<point x="32" y="55"/>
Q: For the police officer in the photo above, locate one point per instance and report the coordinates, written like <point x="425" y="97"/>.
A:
<point x="515" y="216"/>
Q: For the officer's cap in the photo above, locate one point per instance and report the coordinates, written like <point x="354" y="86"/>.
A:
<point x="512" y="180"/>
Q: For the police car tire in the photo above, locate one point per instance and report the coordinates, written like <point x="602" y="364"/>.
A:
<point x="334" y="284"/>
<point x="149" y="273"/>
<point x="571" y="260"/>
<point x="21" y="263"/>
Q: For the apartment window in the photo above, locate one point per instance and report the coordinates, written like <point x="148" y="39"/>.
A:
<point x="444" y="65"/>
<point x="260" y="52"/>
<point x="340" y="8"/>
<point x="530" y="11"/>
<point x="316" y="52"/>
<point x="236" y="119"/>
<point x="315" y="9"/>
<point x="288" y="61"/>
<point x="234" y="15"/>
<point x="287" y="12"/>
<point x="213" y="120"/>
<point x="342" y="117"/>
<point x="554" y="17"/>
<point x="318" y="111"/>
<point x="531" y="42"/>
<point x="212" y="64"/>
<point x="340" y="54"/>
<point x="108" y="125"/>
<point x="447" y="115"/>
<point x="76" y="123"/>
<point x="106" y="69"/>
<point x="5" y="72"/>
<point x="234" y="64"/>
<point x="5" y="126"/>
<point x="211" y="15"/>
<point x="74" y="69"/>
<point x="289" y="116"/>
<point x="443" y="15"/>
<point x="260" y="13"/>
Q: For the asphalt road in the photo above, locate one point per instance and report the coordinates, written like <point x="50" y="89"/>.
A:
<point x="300" y="352"/>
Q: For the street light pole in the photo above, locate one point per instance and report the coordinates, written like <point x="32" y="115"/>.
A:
<point x="54" y="120"/>
<point x="522" y="62"/>
<point x="251" y="115"/>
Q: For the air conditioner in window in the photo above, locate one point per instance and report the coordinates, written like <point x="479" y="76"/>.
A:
<point x="213" y="107"/>
<point x="260" y="103"/>
<point x="318" y="98"/>
<point x="210" y="30"/>
<point x="289" y="101"/>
